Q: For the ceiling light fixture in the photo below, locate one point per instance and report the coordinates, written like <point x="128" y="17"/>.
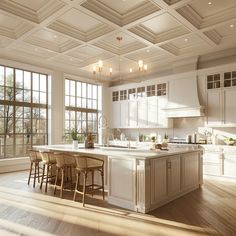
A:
<point x="209" y="3"/>
<point x="185" y="40"/>
<point x="148" y="50"/>
<point x="130" y="70"/>
<point x="231" y="26"/>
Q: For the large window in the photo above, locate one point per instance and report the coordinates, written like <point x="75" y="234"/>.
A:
<point x="83" y="104"/>
<point x="23" y="111"/>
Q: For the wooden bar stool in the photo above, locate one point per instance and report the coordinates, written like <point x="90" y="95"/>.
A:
<point x="65" y="164"/>
<point x="85" y="165"/>
<point x="35" y="159"/>
<point x="49" y="161"/>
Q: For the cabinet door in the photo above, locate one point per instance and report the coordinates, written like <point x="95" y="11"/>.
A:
<point x="229" y="167"/>
<point x="115" y="123"/>
<point x="124" y="114"/>
<point x="158" y="180"/>
<point x="230" y="106"/>
<point x="142" y="113"/>
<point x="174" y="177"/>
<point x="152" y="111"/>
<point x="214" y="116"/>
<point x="133" y="114"/>
<point x="162" y="119"/>
<point x="212" y="163"/>
<point x="190" y="167"/>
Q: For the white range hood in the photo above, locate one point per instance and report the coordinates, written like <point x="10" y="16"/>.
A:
<point x="183" y="99"/>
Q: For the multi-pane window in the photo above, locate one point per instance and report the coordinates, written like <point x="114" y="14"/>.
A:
<point x="140" y="92"/>
<point x="115" y="96"/>
<point x="132" y="93"/>
<point x="23" y="111"/>
<point x="83" y="104"/>
<point x="161" y="89"/>
<point x="123" y="95"/>
<point x="213" y="81"/>
<point x="230" y="79"/>
<point x="151" y="89"/>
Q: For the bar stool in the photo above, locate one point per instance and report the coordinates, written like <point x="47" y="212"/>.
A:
<point x="35" y="159"/>
<point x="87" y="165"/>
<point x="65" y="164"/>
<point x="49" y="161"/>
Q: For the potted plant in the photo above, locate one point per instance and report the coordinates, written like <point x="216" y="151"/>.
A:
<point x="74" y="136"/>
<point x="154" y="139"/>
<point x="165" y="141"/>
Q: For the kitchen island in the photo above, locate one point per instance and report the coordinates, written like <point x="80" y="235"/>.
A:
<point x="142" y="180"/>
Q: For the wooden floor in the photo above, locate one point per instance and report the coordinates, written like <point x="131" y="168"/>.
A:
<point x="210" y="210"/>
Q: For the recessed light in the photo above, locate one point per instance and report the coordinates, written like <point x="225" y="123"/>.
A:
<point x="71" y="59"/>
<point x="148" y="50"/>
<point x="209" y="3"/>
<point x="54" y="36"/>
<point x="231" y="26"/>
<point x="185" y="40"/>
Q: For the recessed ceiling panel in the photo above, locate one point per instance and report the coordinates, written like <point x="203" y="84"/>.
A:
<point x="78" y="19"/>
<point x="160" y="24"/>
<point x="33" y="5"/>
<point x="204" y="9"/>
<point x="123" y="6"/>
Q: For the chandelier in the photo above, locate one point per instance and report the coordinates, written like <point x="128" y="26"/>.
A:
<point x="141" y="66"/>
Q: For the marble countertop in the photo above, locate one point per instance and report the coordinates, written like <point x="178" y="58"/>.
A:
<point x="121" y="152"/>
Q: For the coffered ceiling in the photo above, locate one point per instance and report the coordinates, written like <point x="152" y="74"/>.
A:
<point x="72" y="35"/>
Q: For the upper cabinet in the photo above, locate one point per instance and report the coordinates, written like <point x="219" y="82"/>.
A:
<point x="140" y="107"/>
<point x="221" y="97"/>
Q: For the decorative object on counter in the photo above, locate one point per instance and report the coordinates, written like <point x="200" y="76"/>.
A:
<point x="74" y="136"/>
<point x="141" y="138"/>
<point x="153" y="143"/>
<point x="122" y="137"/>
<point x="89" y="141"/>
<point x="165" y="141"/>
<point x="230" y="141"/>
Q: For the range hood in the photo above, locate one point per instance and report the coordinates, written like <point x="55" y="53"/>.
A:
<point x="183" y="99"/>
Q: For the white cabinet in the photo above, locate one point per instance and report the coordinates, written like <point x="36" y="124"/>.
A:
<point x="152" y="112"/>
<point x="165" y="178"/>
<point x="190" y="170"/>
<point x="142" y="113"/>
<point x="133" y="114"/>
<point x="214" y="113"/>
<point x="230" y="106"/>
<point x="162" y="120"/>
<point x="124" y="114"/>
<point x="116" y="115"/>
<point x="229" y="164"/>
<point x="212" y="162"/>
<point x="221" y="107"/>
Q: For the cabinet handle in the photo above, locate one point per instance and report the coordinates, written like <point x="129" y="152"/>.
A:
<point x="169" y="164"/>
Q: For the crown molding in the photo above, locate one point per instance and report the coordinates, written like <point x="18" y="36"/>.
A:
<point x="214" y="36"/>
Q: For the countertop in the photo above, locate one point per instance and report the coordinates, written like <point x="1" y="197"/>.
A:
<point x="121" y="152"/>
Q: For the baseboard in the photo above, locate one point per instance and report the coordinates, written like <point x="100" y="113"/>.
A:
<point x="14" y="164"/>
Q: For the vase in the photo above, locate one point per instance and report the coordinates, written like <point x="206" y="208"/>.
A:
<point x="75" y="143"/>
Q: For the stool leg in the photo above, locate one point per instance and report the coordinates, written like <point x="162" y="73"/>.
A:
<point x="102" y="174"/>
<point x="92" y="182"/>
<point x="55" y="186"/>
<point x="42" y="177"/>
<point x="38" y="173"/>
<point x="31" y="164"/>
<point x="76" y="185"/>
<point x="62" y="182"/>
<point x="84" y="187"/>
<point x="35" y="172"/>
<point x="46" y="187"/>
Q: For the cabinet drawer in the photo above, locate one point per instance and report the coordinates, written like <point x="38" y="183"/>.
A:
<point x="211" y="169"/>
<point x="212" y="157"/>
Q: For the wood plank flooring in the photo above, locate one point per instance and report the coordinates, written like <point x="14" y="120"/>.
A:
<point x="24" y="210"/>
